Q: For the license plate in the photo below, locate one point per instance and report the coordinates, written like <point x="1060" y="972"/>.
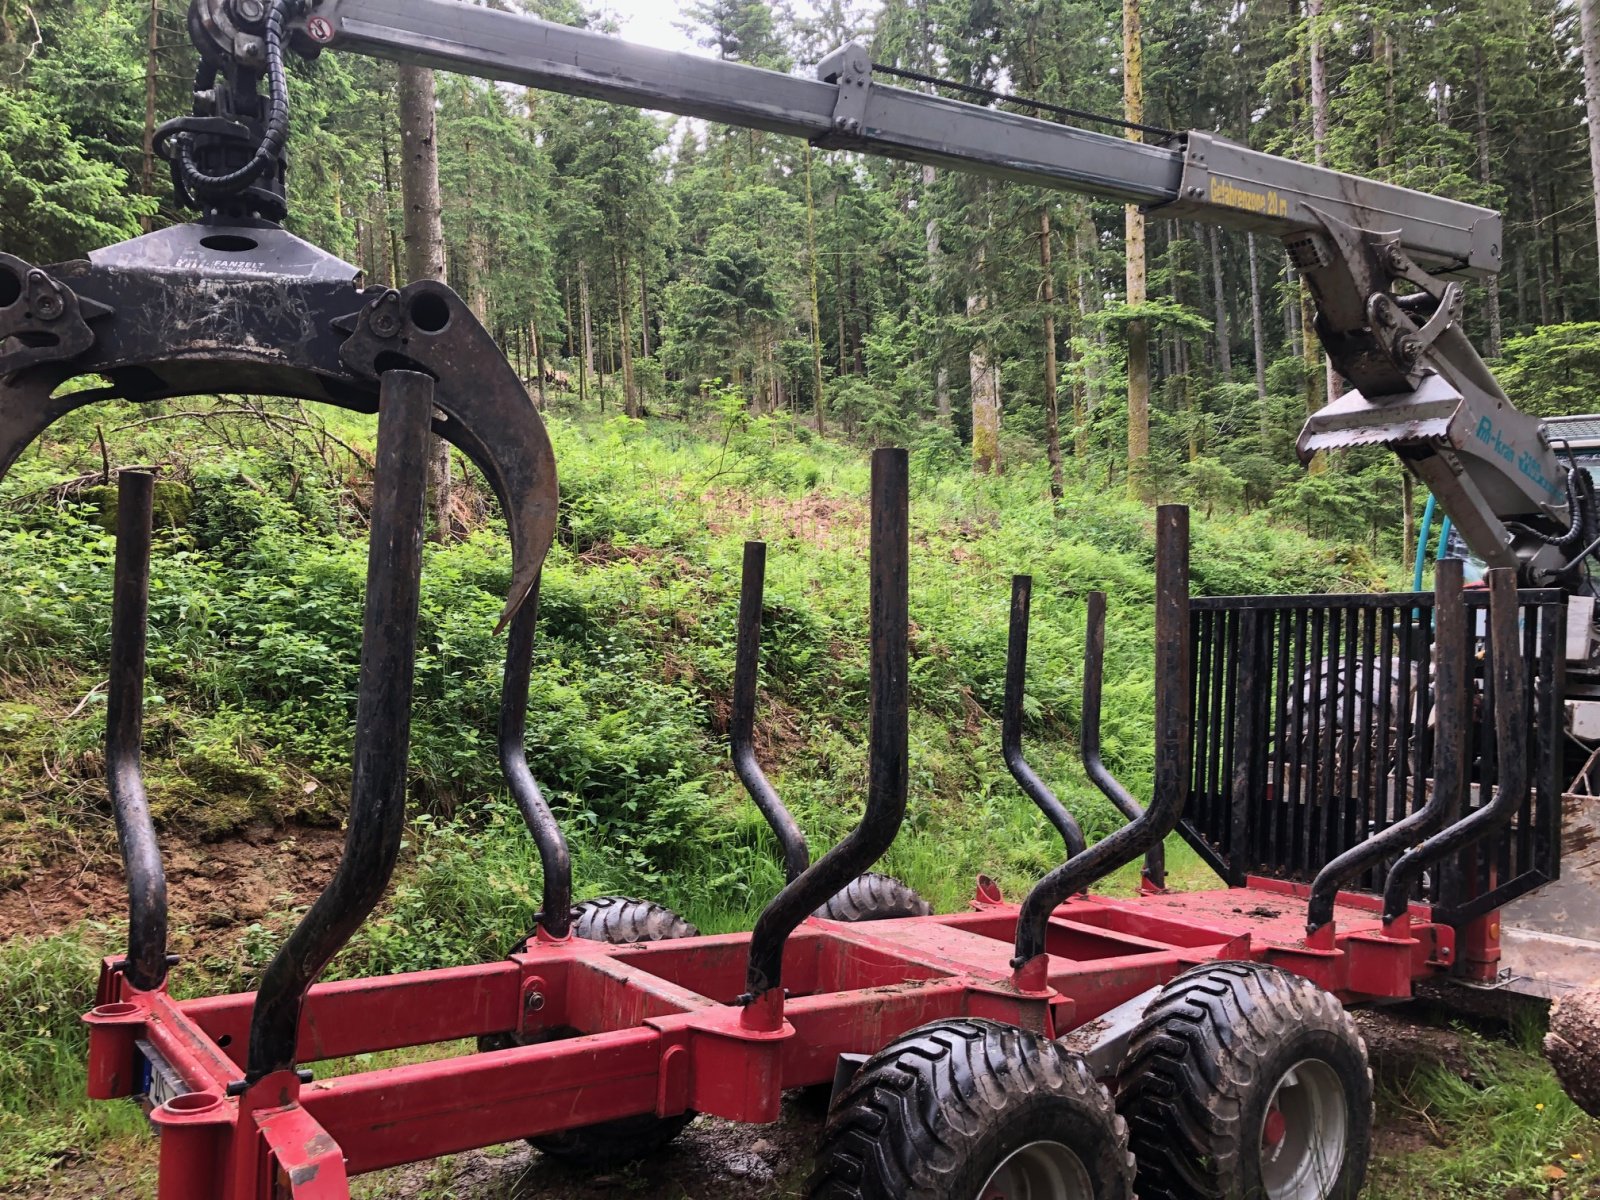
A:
<point x="161" y="1082"/>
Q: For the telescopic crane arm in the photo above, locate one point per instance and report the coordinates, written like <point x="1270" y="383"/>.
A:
<point x="1386" y="265"/>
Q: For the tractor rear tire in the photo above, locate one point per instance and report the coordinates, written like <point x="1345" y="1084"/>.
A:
<point x="617" y="921"/>
<point x="967" y="1109"/>
<point x="874" y="897"/>
<point x="1247" y="1082"/>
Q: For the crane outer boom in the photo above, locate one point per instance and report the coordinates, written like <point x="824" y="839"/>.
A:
<point x="1206" y="178"/>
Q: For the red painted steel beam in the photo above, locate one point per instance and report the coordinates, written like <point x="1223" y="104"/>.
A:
<point x="417" y="1009"/>
<point x="404" y="1114"/>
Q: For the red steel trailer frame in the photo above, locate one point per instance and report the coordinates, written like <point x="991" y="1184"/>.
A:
<point x="663" y="1031"/>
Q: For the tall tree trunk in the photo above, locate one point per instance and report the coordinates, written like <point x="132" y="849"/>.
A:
<point x="1319" y="145"/>
<point x="1485" y="171"/>
<point x="389" y="223"/>
<point x="985" y="376"/>
<point x="151" y="75"/>
<point x="424" y="238"/>
<point x="644" y="314"/>
<point x="1590" y="19"/>
<point x="1291" y="307"/>
<point x="1319" y="81"/>
<point x="1077" y="371"/>
<point x="1557" y="275"/>
<point x="843" y="367"/>
<point x="538" y="363"/>
<point x="1258" y="334"/>
<point x="587" y="317"/>
<point x="1538" y="252"/>
<point x="1224" y="337"/>
<point x="821" y="399"/>
<point x="1138" y="331"/>
<point x="1520" y="269"/>
<point x="571" y="347"/>
<point x="630" y="396"/>
<point x="1052" y="410"/>
<point x="935" y="251"/>
<point x="1408" y="512"/>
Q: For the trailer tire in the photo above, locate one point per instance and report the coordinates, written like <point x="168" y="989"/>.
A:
<point x="874" y="897"/>
<point x="1247" y="1082"/>
<point x="617" y="921"/>
<point x="966" y="1109"/>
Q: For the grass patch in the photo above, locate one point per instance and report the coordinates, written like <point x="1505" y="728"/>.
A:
<point x="45" y="1118"/>
<point x="1505" y="1132"/>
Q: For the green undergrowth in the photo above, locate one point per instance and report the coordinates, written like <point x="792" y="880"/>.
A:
<point x="1497" y="1127"/>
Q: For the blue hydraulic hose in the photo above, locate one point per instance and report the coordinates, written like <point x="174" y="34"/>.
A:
<point x="1422" y="544"/>
<point x="1444" y="540"/>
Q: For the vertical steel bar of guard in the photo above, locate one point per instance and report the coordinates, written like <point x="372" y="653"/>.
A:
<point x="888" y="736"/>
<point x="1248" y="668"/>
<point x="1452" y="706"/>
<point x="555" y="861"/>
<point x="1094" y="657"/>
<point x="1011" y="720"/>
<point x="136" y="833"/>
<point x="383" y="724"/>
<point x="1174" y="712"/>
<point x="742" y="720"/>
<point x="1451" y="691"/>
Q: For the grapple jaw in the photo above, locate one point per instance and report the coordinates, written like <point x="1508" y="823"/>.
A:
<point x="194" y="310"/>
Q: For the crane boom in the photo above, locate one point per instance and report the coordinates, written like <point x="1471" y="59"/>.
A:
<point x="1387" y="266"/>
<point x="1207" y="176"/>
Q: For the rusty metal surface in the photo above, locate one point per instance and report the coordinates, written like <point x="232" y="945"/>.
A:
<point x="1509" y="696"/>
<point x="136" y="831"/>
<point x="185" y="319"/>
<point x="742" y="718"/>
<point x="1174" y="710"/>
<point x="1154" y="871"/>
<point x="383" y="725"/>
<point x="555" y="861"/>
<point x="1011" y="721"/>
<point x="887" y="736"/>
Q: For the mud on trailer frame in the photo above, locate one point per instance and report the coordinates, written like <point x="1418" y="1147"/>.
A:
<point x="1370" y="790"/>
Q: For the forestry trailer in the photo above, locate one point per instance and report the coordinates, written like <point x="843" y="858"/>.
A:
<point x="1376" y="779"/>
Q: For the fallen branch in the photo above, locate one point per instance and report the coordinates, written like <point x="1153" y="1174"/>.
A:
<point x="89" y="695"/>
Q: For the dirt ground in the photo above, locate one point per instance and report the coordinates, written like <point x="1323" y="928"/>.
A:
<point x="214" y="889"/>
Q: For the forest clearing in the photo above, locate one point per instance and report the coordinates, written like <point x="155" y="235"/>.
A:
<point x="993" y="466"/>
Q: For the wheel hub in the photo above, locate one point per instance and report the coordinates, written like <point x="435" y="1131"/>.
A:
<point x="1039" y="1171"/>
<point x="1304" y="1133"/>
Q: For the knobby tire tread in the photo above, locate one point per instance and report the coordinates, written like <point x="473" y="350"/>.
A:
<point x="874" y="897"/>
<point x="1192" y="1062"/>
<point x="907" y="1125"/>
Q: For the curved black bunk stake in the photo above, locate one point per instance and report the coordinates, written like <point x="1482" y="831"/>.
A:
<point x="1094" y="661"/>
<point x="1011" y="721"/>
<point x="742" y="720"/>
<point x="886" y="778"/>
<point x="555" y="861"/>
<point x="383" y="725"/>
<point x="1174" y="704"/>
<point x="146" y="965"/>
<point x="1451" y="698"/>
<point x="1509" y="681"/>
